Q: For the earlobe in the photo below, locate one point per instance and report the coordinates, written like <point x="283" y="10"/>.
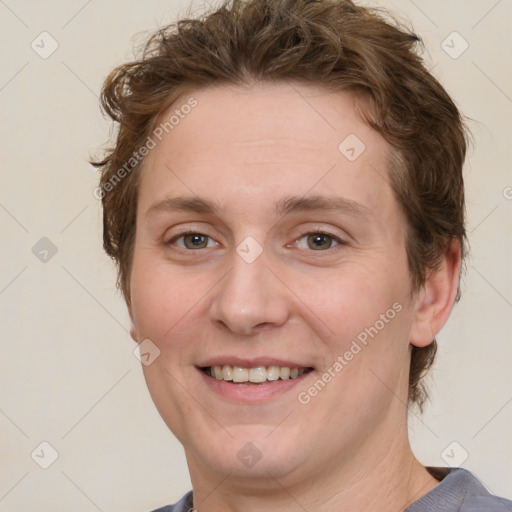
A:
<point x="436" y="298"/>
<point x="133" y="329"/>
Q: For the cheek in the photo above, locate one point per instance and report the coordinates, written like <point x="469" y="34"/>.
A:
<point x="169" y="302"/>
<point x="369" y="319"/>
<point x="158" y="299"/>
<point x="351" y="302"/>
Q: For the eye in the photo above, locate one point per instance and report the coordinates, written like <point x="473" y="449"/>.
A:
<point x="192" y="240"/>
<point x="319" y="241"/>
<point x="315" y="240"/>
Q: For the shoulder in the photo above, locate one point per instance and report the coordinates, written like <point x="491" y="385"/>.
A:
<point x="459" y="491"/>
<point x="184" y="505"/>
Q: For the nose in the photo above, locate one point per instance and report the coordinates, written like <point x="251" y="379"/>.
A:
<point x="250" y="297"/>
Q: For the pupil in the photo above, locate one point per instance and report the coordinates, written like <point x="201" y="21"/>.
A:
<point x="319" y="241"/>
<point x="196" y="240"/>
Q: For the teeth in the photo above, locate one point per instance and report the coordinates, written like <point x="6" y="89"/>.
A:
<point x="257" y="375"/>
<point x="217" y="372"/>
<point x="227" y="373"/>
<point x="240" y="374"/>
<point x="273" y="372"/>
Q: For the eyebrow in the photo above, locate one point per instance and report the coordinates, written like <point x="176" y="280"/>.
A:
<point x="287" y="205"/>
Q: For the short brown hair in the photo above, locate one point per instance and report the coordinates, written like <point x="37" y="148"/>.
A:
<point x="330" y="43"/>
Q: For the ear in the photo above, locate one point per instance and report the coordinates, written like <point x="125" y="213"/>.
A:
<point x="436" y="298"/>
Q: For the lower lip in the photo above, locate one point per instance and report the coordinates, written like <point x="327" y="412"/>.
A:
<point x="246" y="392"/>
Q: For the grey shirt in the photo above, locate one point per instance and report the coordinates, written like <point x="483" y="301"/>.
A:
<point x="458" y="491"/>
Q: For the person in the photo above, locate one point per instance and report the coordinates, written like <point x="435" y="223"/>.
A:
<point x="284" y="200"/>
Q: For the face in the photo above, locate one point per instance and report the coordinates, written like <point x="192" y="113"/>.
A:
<point x="268" y="236"/>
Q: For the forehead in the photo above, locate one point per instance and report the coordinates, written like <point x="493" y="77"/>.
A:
<point x="265" y="141"/>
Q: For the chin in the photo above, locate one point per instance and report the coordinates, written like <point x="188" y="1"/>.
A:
<point x="277" y="466"/>
<point x="251" y="453"/>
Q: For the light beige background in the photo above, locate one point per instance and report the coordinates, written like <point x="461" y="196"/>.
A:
<point x="68" y="373"/>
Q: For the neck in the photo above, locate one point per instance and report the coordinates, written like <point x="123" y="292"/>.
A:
<point x="381" y="474"/>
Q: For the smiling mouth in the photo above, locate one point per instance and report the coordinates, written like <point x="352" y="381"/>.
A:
<point x="257" y="375"/>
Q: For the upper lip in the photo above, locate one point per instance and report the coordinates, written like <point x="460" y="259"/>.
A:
<point x="251" y="363"/>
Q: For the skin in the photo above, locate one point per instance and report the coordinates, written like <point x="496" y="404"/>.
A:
<point x="246" y="148"/>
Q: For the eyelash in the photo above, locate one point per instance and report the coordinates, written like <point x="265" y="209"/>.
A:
<point x="338" y="240"/>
